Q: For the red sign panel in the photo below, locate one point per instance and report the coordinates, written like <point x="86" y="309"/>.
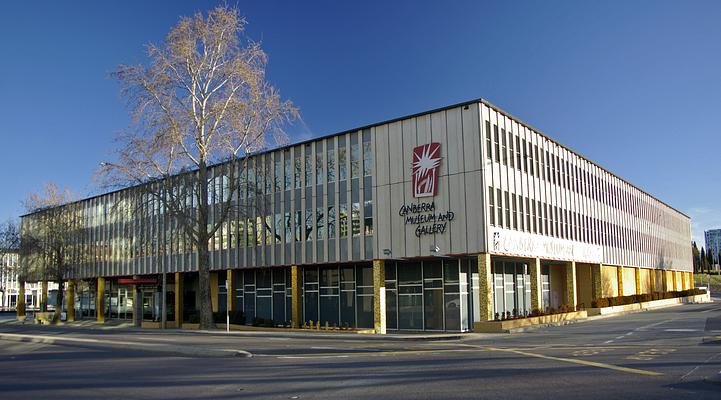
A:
<point x="426" y="165"/>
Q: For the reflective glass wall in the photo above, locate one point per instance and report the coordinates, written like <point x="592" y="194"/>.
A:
<point x="431" y="294"/>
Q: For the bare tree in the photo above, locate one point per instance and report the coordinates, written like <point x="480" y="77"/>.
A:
<point x="202" y="100"/>
<point x="49" y="238"/>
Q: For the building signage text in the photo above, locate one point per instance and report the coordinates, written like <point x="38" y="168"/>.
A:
<point x="424" y="216"/>
<point x="525" y="244"/>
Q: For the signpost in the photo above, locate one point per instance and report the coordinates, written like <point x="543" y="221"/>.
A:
<point x="227" y="311"/>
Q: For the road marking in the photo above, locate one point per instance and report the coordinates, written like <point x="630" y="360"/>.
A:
<point x="572" y="360"/>
<point x="682" y="330"/>
<point x="52" y="339"/>
<point x="292" y="357"/>
<point x="583" y="362"/>
<point x="650" y="354"/>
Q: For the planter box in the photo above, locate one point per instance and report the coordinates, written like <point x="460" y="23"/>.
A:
<point x="649" y="305"/>
<point x="513" y="324"/>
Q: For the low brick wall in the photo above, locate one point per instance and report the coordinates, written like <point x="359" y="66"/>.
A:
<point x="511" y="324"/>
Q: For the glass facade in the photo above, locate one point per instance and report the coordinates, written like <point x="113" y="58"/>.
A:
<point x="431" y="294"/>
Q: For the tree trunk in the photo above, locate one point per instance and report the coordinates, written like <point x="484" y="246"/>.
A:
<point x="205" y="306"/>
<point x="59" y="301"/>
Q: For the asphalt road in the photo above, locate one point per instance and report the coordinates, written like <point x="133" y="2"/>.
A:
<point x="669" y="353"/>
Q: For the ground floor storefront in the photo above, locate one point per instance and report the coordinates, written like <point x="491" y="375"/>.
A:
<point x="433" y="294"/>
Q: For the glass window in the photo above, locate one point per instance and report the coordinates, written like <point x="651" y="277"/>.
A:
<point x="279" y="228"/>
<point x="329" y="296"/>
<point x="331" y="222"/>
<point x="331" y="165"/>
<point x="368" y="217"/>
<point x="309" y="224"/>
<point x="489" y="141"/>
<point x="288" y="228"/>
<point x="308" y="167"/>
<point x="342" y="164"/>
<point x="276" y="173"/>
<point x="297" y="172"/>
<point x="298" y="226"/>
<point x="355" y="160"/>
<point x="319" y="169"/>
<point x="320" y="223"/>
<point x="496" y="143"/>
<point x="355" y="219"/>
<point x="288" y="172"/>
<point x="504" y="152"/>
<point x="367" y="159"/>
<point x="433" y="294"/>
<point x="310" y="294"/>
<point x="410" y="296"/>
<point x="343" y="220"/>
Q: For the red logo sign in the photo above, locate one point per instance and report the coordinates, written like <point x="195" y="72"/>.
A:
<point x="426" y="164"/>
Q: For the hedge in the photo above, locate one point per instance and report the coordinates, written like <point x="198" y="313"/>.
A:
<point x="642" y="298"/>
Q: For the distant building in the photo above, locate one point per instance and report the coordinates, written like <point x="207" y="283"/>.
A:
<point x="713" y="242"/>
<point x="9" y="286"/>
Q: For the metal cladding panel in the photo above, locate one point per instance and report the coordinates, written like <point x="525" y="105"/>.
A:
<point x="436" y="224"/>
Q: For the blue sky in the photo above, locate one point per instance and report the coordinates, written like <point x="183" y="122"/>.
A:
<point x="633" y="85"/>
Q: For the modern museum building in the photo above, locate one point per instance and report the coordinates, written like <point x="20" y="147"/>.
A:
<point x="433" y="221"/>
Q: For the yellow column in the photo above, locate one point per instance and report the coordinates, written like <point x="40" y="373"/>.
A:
<point x="179" y="299"/>
<point x="379" y="296"/>
<point x="296" y="299"/>
<point x="652" y="273"/>
<point x="691" y="281"/>
<point x="44" y="296"/>
<point x="100" y="300"/>
<point x="70" y="301"/>
<point x="485" y="289"/>
<point x="597" y="285"/>
<point x="638" y="280"/>
<point x="571" y="294"/>
<point x="674" y="280"/>
<point x="214" y="291"/>
<point x="231" y="290"/>
<point x="20" y="305"/>
<point x="619" y="277"/>
<point x="536" y="297"/>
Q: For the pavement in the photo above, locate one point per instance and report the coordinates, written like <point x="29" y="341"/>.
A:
<point x="671" y="352"/>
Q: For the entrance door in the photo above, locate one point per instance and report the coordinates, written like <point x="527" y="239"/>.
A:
<point x="125" y="303"/>
<point x="149" y="306"/>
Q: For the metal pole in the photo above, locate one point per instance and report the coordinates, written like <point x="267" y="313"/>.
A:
<point x="227" y="310"/>
<point x="163" y="318"/>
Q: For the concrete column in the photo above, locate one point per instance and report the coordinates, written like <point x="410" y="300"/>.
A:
<point x="596" y="282"/>
<point x="379" y="296"/>
<point x="638" y="280"/>
<point x="485" y="287"/>
<point x="70" y="301"/>
<point x="536" y="296"/>
<point x="178" y="299"/>
<point x="100" y="300"/>
<point x="231" y="289"/>
<point x="44" y="296"/>
<point x="20" y="305"/>
<point x="619" y="278"/>
<point x="571" y="293"/>
<point x="296" y="299"/>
